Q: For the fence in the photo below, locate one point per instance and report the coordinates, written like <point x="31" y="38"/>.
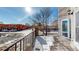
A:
<point x="24" y="44"/>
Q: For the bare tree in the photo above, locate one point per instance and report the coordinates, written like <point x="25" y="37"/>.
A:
<point x="46" y="13"/>
<point x="42" y="17"/>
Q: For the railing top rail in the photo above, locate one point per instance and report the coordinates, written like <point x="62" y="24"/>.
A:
<point x="18" y="31"/>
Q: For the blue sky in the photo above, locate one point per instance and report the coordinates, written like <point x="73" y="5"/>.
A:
<point x="18" y="15"/>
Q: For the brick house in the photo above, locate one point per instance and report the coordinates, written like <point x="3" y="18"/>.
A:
<point x="12" y="27"/>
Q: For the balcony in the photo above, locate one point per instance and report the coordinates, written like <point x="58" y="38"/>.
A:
<point x="27" y="41"/>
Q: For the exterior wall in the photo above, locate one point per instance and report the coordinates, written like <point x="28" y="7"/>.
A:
<point x="77" y="27"/>
<point x="63" y="14"/>
<point x="74" y="31"/>
<point x="74" y="22"/>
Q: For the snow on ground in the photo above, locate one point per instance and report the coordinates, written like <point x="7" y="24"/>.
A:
<point x="76" y="45"/>
<point x="10" y="37"/>
<point x="43" y="43"/>
<point x="62" y="44"/>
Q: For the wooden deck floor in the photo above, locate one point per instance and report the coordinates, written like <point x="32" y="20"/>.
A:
<point x="62" y="45"/>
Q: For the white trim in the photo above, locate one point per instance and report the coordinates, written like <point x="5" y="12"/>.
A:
<point x="76" y="11"/>
<point x="73" y="28"/>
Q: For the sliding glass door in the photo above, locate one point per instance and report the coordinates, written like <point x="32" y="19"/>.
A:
<point x="66" y="28"/>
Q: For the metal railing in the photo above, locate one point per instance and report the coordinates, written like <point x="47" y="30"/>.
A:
<point x="23" y="44"/>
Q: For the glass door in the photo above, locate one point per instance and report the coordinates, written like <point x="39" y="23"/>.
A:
<point x="66" y="28"/>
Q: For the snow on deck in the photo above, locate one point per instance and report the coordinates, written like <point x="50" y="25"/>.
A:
<point x="43" y="43"/>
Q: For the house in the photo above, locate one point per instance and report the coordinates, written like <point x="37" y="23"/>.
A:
<point x="55" y="25"/>
<point x="68" y="23"/>
<point x="12" y="27"/>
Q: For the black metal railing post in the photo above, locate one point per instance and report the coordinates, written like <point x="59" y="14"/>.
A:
<point x="20" y="45"/>
<point x="15" y="46"/>
<point x="23" y="44"/>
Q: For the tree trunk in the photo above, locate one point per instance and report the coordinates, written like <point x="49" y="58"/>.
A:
<point x="46" y="27"/>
